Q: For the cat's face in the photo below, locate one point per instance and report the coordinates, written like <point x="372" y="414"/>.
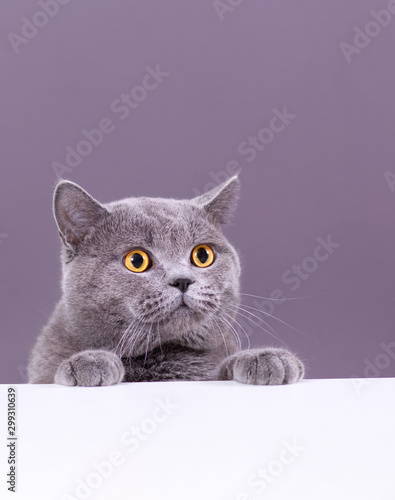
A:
<point x="145" y="266"/>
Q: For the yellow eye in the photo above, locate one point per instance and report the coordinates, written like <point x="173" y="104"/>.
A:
<point x="137" y="261"/>
<point x="203" y="256"/>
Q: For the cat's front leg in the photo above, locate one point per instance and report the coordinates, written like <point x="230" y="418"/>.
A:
<point x="270" y="366"/>
<point x="91" y="369"/>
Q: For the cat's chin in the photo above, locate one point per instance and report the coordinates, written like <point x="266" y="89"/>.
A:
<point x="184" y="318"/>
<point x="184" y="311"/>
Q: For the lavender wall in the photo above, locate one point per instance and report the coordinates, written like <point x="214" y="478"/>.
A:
<point x="264" y="87"/>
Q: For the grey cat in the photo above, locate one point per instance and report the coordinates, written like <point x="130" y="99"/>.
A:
<point x="149" y="286"/>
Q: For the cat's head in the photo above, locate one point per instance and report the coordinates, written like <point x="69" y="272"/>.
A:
<point x="143" y="267"/>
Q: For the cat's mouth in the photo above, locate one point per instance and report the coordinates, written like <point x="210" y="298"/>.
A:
<point x="187" y="306"/>
<point x="184" y="308"/>
<point x="182" y="305"/>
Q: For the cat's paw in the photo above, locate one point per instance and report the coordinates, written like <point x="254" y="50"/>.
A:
<point x="90" y="369"/>
<point x="270" y="366"/>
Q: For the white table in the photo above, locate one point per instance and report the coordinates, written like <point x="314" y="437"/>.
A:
<point x="318" y="440"/>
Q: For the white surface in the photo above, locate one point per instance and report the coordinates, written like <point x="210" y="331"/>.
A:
<point x="213" y="446"/>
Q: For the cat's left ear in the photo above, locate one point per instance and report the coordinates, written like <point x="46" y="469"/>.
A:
<point x="76" y="212"/>
<point x="220" y="202"/>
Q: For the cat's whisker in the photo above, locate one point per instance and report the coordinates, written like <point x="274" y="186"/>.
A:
<point x="254" y="315"/>
<point x="235" y="333"/>
<point x="136" y="328"/>
<point x="139" y="328"/>
<point x="278" y="319"/>
<point x="281" y="299"/>
<point x="128" y="335"/>
<point x="133" y="341"/>
<point x="216" y="336"/>
<point x="115" y="350"/>
<point x="261" y="327"/>
<point x="119" y="347"/>
<point x="237" y="337"/>
<point x="245" y="333"/>
<point x="146" y="349"/>
<point x="158" y="335"/>
<point x="135" y="332"/>
<point x="223" y="337"/>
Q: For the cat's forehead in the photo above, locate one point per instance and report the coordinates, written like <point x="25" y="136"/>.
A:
<point x="157" y="212"/>
<point x="161" y="223"/>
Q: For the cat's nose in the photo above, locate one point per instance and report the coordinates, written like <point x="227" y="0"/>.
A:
<point x="182" y="284"/>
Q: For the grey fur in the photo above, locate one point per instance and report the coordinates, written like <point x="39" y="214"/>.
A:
<point x="113" y="325"/>
<point x="268" y="366"/>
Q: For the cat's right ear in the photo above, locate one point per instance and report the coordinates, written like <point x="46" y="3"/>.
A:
<point x="75" y="211"/>
<point x="221" y="201"/>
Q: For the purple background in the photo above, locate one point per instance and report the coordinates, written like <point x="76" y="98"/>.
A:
<point x="322" y="175"/>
